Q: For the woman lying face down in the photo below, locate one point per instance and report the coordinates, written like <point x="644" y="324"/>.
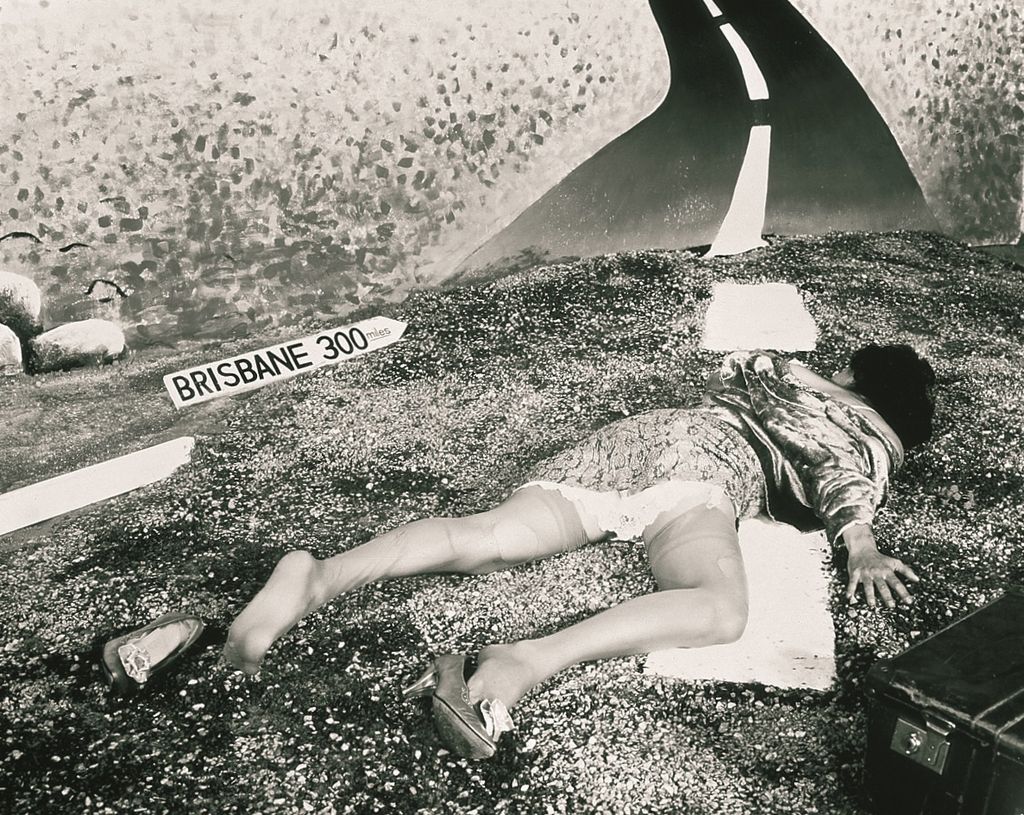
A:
<point x="769" y="436"/>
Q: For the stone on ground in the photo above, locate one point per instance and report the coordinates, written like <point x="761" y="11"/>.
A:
<point x="20" y="304"/>
<point x="72" y="345"/>
<point x="10" y="352"/>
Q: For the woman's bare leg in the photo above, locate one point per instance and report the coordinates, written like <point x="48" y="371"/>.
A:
<point x="532" y="524"/>
<point x="696" y="561"/>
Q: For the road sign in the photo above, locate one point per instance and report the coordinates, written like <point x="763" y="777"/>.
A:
<point x="254" y="369"/>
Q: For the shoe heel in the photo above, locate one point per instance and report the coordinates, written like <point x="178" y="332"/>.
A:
<point x="424" y="686"/>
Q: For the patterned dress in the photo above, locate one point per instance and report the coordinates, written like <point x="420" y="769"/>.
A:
<point x="632" y="456"/>
<point x="762" y="439"/>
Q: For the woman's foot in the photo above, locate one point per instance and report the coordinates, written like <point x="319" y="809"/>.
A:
<point x="293" y="591"/>
<point x="504" y="672"/>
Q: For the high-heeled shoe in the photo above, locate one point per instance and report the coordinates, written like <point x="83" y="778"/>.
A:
<point x="424" y="686"/>
<point x="127" y="665"/>
<point x="470" y="730"/>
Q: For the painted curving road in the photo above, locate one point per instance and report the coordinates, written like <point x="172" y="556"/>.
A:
<point x="835" y="164"/>
<point x="763" y="130"/>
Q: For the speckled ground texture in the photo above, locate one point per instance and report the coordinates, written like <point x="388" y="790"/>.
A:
<point x="489" y="379"/>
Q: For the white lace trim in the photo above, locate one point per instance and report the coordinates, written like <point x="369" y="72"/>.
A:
<point x="627" y="515"/>
<point x="136" y="661"/>
<point x="496" y="717"/>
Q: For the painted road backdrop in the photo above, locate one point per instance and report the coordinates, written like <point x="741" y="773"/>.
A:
<point x="668" y="182"/>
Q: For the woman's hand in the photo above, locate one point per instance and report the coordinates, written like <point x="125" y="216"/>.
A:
<point x="714" y="382"/>
<point x="873" y="571"/>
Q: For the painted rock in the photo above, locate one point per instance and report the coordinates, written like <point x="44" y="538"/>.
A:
<point x="10" y="352"/>
<point x="72" y="345"/>
<point x="20" y="304"/>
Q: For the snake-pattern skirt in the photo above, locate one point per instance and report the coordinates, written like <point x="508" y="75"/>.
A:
<point x="671" y="444"/>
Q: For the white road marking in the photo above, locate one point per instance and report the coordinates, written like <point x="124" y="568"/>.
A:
<point x="757" y="88"/>
<point x="64" y="493"/>
<point x="789" y="641"/>
<point x="715" y="10"/>
<point x="1022" y="201"/>
<point x="763" y="315"/>
<point x="743" y="223"/>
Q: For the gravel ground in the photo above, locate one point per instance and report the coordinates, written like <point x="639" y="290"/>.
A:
<point x="489" y="379"/>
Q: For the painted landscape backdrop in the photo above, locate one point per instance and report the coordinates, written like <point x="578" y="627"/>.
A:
<point x="236" y="166"/>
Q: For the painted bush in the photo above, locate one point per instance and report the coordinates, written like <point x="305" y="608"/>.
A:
<point x="259" y="164"/>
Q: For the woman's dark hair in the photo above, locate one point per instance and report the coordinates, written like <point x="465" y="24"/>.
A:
<point x="898" y="383"/>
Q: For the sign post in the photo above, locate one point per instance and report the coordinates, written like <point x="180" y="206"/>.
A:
<point x="276" y="363"/>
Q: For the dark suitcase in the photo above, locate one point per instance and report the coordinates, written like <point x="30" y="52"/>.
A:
<point x="946" y="720"/>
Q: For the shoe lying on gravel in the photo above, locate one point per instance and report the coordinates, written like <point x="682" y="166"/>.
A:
<point x="131" y="660"/>
<point x="471" y="731"/>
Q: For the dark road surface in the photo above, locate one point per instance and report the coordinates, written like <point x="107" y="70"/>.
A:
<point x="668" y="182"/>
<point x="834" y="164"/>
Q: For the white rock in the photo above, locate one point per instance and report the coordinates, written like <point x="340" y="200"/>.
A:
<point x="87" y="342"/>
<point x="20" y="300"/>
<point x="10" y="352"/>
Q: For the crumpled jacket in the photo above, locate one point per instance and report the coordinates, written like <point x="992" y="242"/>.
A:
<point x="824" y="463"/>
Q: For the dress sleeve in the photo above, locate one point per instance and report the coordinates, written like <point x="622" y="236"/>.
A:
<point x="845" y="479"/>
<point x="826" y="458"/>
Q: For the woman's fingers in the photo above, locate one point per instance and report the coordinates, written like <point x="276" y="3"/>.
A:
<point x="861" y="578"/>
<point x="869" y="591"/>
<point x="884" y="593"/>
<point x="900" y="568"/>
<point x="901" y="590"/>
<point x="881" y="582"/>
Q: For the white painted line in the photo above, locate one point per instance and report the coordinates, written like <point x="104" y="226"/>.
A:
<point x="744" y="316"/>
<point x="757" y="88"/>
<point x="715" y="10"/>
<point x="276" y="363"/>
<point x="789" y="641"/>
<point x="56" y="496"/>
<point x="1022" y="201"/>
<point x="743" y="223"/>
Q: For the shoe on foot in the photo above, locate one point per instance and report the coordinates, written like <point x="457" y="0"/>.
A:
<point x="127" y="663"/>
<point x="470" y="730"/>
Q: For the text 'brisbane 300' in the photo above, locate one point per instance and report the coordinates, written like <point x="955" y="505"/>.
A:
<point x="275" y="363"/>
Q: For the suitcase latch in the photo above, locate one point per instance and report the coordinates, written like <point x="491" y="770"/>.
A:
<point x="925" y="745"/>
